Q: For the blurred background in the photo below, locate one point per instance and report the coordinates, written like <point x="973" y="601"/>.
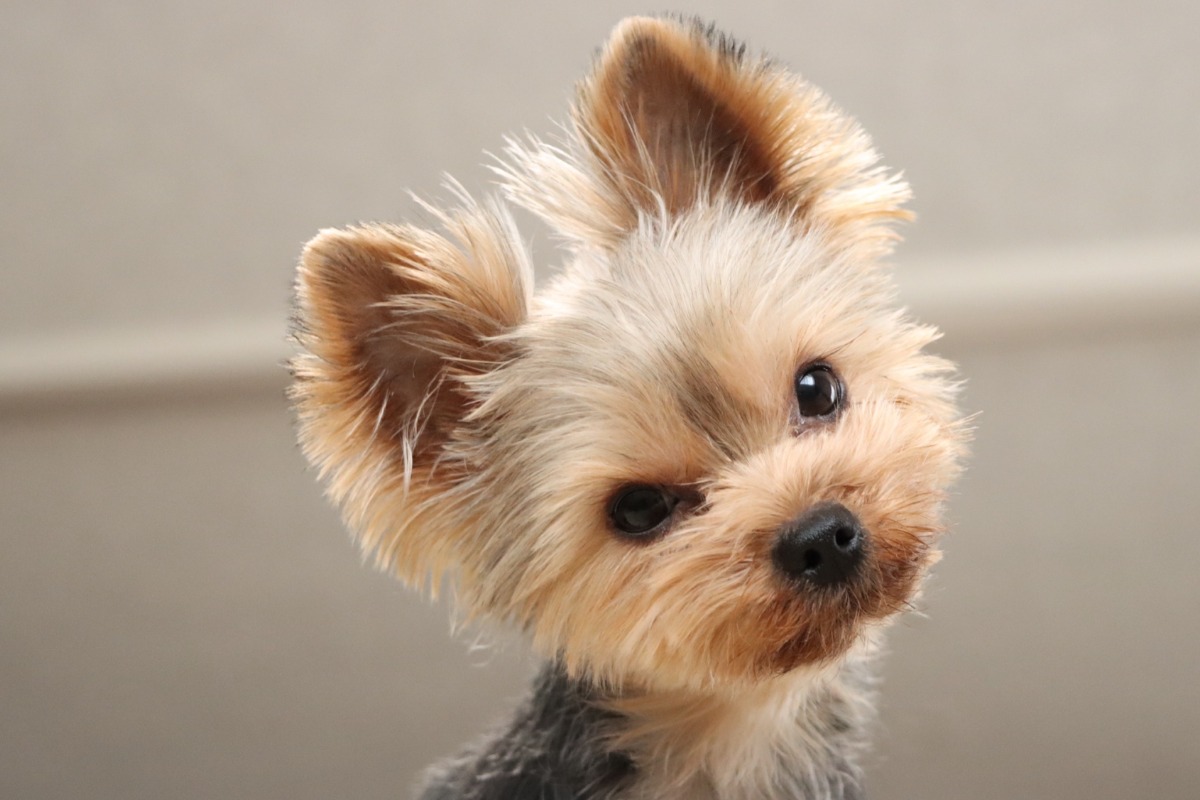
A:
<point x="181" y="613"/>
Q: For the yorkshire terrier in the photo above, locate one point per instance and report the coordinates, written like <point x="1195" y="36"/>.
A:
<point x="701" y="468"/>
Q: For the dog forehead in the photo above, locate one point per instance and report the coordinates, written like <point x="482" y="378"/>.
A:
<point x="716" y="265"/>
<point x="714" y="292"/>
<point x="690" y="328"/>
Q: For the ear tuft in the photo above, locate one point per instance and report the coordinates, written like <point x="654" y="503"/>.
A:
<point x="674" y="115"/>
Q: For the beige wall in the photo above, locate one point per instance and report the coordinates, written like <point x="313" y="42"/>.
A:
<point x="164" y="161"/>
<point x="182" y="616"/>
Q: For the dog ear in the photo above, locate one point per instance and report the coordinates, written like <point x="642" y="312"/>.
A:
<point x="392" y="323"/>
<point x="675" y="115"/>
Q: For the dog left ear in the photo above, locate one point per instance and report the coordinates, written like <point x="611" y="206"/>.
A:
<point x="674" y="115"/>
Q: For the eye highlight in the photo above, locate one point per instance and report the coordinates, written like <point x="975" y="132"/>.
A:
<point x="637" y="511"/>
<point x="819" y="392"/>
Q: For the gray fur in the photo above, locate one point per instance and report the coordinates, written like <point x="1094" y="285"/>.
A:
<point x="554" y="749"/>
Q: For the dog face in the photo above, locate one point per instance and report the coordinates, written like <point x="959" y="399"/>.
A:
<point x="711" y="451"/>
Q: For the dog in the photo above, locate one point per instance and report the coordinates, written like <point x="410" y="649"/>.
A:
<point x="701" y="468"/>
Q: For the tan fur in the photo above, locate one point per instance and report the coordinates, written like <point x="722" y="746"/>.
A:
<point x="392" y="320"/>
<point x="728" y="744"/>
<point x="727" y="224"/>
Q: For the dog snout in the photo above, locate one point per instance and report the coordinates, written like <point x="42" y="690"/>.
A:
<point x="822" y="547"/>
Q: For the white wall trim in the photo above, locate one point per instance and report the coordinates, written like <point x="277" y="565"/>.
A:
<point x="977" y="299"/>
<point x="158" y="361"/>
<point x="1088" y="289"/>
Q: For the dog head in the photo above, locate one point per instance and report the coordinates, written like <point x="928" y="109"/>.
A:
<point x="711" y="450"/>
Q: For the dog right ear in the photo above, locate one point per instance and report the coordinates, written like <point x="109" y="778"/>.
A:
<point x="393" y="322"/>
<point x="674" y="116"/>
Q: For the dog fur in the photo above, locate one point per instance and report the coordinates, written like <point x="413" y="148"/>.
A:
<point x="726" y="230"/>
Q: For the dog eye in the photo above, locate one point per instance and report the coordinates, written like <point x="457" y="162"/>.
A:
<point x="638" y="510"/>
<point x="818" y="392"/>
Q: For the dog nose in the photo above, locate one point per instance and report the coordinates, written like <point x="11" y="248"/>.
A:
<point x="823" y="547"/>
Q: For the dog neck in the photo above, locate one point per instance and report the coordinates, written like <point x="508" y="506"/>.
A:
<point x="794" y="736"/>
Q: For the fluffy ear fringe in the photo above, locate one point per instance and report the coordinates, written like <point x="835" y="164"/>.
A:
<point x="391" y="323"/>
<point x="674" y="115"/>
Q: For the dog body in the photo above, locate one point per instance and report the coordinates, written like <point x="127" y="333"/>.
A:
<point x="702" y="467"/>
<point x="791" y="740"/>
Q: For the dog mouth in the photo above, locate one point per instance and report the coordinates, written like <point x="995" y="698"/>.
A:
<point x="822" y="629"/>
<point x="821" y="621"/>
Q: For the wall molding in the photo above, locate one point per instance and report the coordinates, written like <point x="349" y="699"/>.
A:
<point x="154" y="362"/>
<point x="978" y="299"/>
<point x="1092" y="289"/>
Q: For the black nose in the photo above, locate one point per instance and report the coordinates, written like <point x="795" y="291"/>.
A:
<point x="823" y="547"/>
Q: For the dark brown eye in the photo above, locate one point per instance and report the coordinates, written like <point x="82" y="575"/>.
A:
<point x="818" y="392"/>
<point x="637" y="510"/>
